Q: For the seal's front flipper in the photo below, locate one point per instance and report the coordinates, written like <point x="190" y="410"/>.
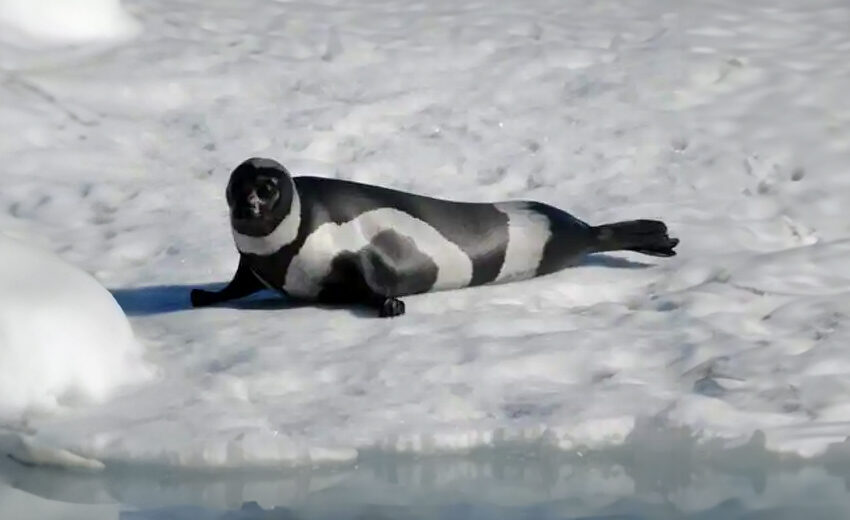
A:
<point x="390" y="308"/>
<point x="643" y="236"/>
<point x="345" y="284"/>
<point x="243" y="284"/>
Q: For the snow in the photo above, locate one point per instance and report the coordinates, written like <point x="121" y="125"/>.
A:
<point x="728" y="120"/>
<point x="62" y="22"/>
<point x="64" y="341"/>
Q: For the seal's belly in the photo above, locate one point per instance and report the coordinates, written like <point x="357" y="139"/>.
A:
<point x="394" y="252"/>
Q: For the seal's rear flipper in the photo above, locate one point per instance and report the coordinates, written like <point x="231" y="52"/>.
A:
<point x="644" y="236"/>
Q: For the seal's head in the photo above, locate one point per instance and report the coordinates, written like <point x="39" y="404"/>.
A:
<point x="264" y="206"/>
<point x="259" y="195"/>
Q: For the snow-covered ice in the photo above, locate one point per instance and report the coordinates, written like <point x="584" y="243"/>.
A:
<point x="728" y="120"/>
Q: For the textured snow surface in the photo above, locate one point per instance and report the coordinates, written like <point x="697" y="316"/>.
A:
<point x="64" y="341"/>
<point x="729" y="120"/>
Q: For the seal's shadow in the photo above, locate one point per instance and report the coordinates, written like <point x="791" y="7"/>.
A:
<point x="603" y="260"/>
<point x="164" y="299"/>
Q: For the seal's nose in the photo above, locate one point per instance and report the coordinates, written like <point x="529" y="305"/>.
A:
<point x="254" y="203"/>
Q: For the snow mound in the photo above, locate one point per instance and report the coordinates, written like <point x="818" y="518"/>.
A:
<point x="67" y="21"/>
<point x="64" y="340"/>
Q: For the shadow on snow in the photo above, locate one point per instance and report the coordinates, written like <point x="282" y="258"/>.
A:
<point x="163" y="299"/>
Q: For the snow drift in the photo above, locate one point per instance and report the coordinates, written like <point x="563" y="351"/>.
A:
<point x="63" y="339"/>
<point x="67" y="21"/>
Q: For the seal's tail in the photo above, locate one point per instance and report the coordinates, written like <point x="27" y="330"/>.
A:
<point x="644" y="236"/>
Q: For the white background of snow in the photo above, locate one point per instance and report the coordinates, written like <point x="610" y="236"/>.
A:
<point x="729" y="120"/>
<point x="64" y="341"/>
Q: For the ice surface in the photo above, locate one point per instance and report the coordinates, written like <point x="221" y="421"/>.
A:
<point x="64" y="341"/>
<point x="55" y="22"/>
<point x="729" y="120"/>
<point x="623" y="484"/>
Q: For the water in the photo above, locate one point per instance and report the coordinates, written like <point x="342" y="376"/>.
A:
<point x="662" y="481"/>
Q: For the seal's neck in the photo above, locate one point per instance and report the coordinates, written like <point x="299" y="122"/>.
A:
<point x="285" y="233"/>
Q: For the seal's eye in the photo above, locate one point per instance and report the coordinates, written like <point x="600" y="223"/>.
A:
<point x="266" y="190"/>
